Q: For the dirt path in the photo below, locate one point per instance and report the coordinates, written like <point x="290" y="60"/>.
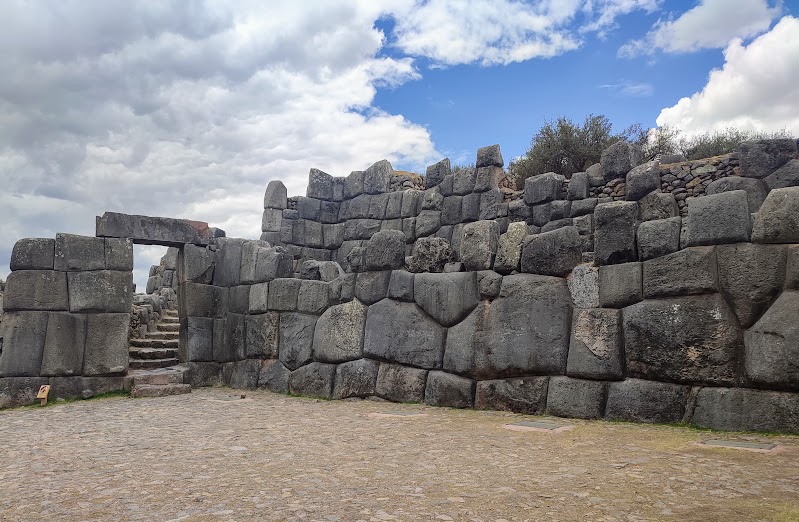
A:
<point x="206" y="456"/>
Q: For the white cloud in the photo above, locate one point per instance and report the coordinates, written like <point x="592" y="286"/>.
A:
<point x="756" y="89"/>
<point x="710" y="25"/>
<point x="630" y="89"/>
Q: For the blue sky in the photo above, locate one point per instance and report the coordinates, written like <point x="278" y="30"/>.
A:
<point x="188" y="108"/>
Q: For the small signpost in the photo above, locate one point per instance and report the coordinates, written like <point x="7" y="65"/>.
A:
<point x="44" y="391"/>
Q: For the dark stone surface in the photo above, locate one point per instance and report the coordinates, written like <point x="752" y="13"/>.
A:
<point x="100" y="291"/>
<point x="759" y="158"/>
<point x="23" y="335"/>
<point x="33" y="254"/>
<point x="772" y="345"/>
<point x="73" y="253"/>
<point x="227" y="271"/>
<point x="792" y="268"/>
<point x="64" y="343"/>
<point x="402" y="333"/>
<point x="682" y="339"/>
<point x="400" y="383"/>
<point x="687" y="272"/>
<point x="543" y="188"/>
<point x="203" y="374"/>
<point x="646" y="401"/>
<point x="595" y="347"/>
<point x="197" y="339"/>
<point x="449" y="297"/>
<point x="489" y="156"/>
<point x="617" y="160"/>
<point x="313" y="297"/>
<point x="428" y="222"/>
<point x="147" y="230"/>
<point x="400" y="286"/>
<point x="509" y="248"/>
<point x="234" y="338"/>
<point x="720" y="218"/>
<point x="239" y="299"/>
<point x="283" y="294"/>
<point x="657" y="205"/>
<point x="385" y="250"/>
<point x="274" y="376"/>
<point x="445" y="389"/>
<point x="430" y="255"/>
<point x="275" y="195"/>
<point x="479" y="245"/>
<point x="614" y="238"/>
<point x="576" y="398"/>
<point x="579" y="186"/>
<point x="658" y="237"/>
<point x="435" y="173"/>
<point x="554" y="253"/>
<point x="320" y="185"/>
<point x="85" y="387"/>
<point x="755" y="189"/>
<point x="741" y="409"/>
<point x="620" y="285"/>
<point x="314" y="380"/>
<point x="106" y="349"/>
<point x="526" y="395"/>
<point x="489" y="284"/>
<point x="642" y="180"/>
<point x="777" y="221"/>
<point x="296" y="339"/>
<point x="371" y="287"/>
<point x="242" y="374"/>
<point x="196" y="265"/>
<point x="785" y="176"/>
<point x="377" y="178"/>
<point x="750" y="278"/>
<point x="199" y="300"/>
<point x="338" y="336"/>
<point x="35" y="290"/>
<point x="488" y="178"/>
<point x="261" y="335"/>
<point x="355" y="379"/>
<point x="19" y="391"/>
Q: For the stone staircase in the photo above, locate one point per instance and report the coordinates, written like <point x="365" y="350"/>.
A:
<point x="154" y="360"/>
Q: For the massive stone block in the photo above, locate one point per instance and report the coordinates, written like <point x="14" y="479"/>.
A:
<point x="196" y="342"/>
<point x="198" y="300"/>
<point x="658" y="237"/>
<point x="646" y="401"/>
<point x="524" y="331"/>
<point x="355" y="379"/>
<point x="717" y="219"/>
<point x="377" y="178"/>
<point x="239" y="299"/>
<point x="759" y="158"/>
<point x="509" y="248"/>
<point x="584" y="286"/>
<point x="576" y="398"/>
<point x="100" y="291"/>
<point x="434" y="174"/>
<point x="614" y="238"/>
<point x="234" y="338"/>
<point x="283" y="294"/>
<point x="489" y="156"/>
<point x="430" y="255"/>
<point x="275" y="195"/>
<point x="19" y="391"/>
<point x="338" y="336"/>
<point x="203" y="374"/>
<point x="463" y="181"/>
<point x="23" y="335"/>
<point x="371" y="287"/>
<point x="445" y="389"/>
<point x="554" y="253"/>
<point x="772" y="345"/>
<point x="106" y="349"/>
<point x="657" y="205"/>
<point x="642" y="180"/>
<point x="63" y="344"/>
<point x="785" y="176"/>
<point x="274" y="376"/>
<point x="385" y="250"/>
<point x="147" y="230"/>
<point x="428" y="222"/>
<point x="35" y="290"/>
<point x="750" y="278"/>
<point x="579" y="186"/>
<point x="488" y="178"/>
<point x="79" y="253"/>
<point x="683" y="339"/>
<point x="227" y="271"/>
<point x="595" y="348"/>
<point x="449" y="297"/>
<point x="792" y="268"/>
<point x="262" y="335"/>
<point x="313" y="297"/>
<point x="689" y="271"/>
<point x="320" y="185"/>
<point x="196" y="265"/>
<point x="479" y="244"/>
<point x="33" y="254"/>
<point x="777" y="221"/>
<point x="620" y="285"/>
<point x="491" y="204"/>
<point x="400" y="383"/>
<point x="400" y="286"/>
<point x="296" y="339"/>
<point x="401" y="333"/>
<point x="242" y="374"/>
<point x="521" y="395"/>
<point x="756" y="189"/>
<point x="315" y="380"/>
<point x="739" y="409"/>
<point x="619" y="158"/>
<point x="543" y="188"/>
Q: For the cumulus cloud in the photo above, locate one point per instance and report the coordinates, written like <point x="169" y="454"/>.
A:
<point x="757" y="88"/>
<point x="709" y="25"/>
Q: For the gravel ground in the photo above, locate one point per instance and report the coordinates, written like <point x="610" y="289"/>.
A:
<point x="213" y="456"/>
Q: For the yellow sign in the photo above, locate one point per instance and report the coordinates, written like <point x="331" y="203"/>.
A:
<point x="44" y="391"/>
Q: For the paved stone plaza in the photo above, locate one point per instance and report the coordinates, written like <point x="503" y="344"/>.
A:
<point x="213" y="456"/>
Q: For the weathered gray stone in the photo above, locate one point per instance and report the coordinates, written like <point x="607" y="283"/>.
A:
<point x="755" y="189"/>
<point x="199" y="300"/>
<point x="203" y="374"/>
<point x="772" y="345"/>
<point x="759" y="158"/>
<point x="119" y="254"/>
<point x="595" y="348"/>
<point x="227" y="270"/>
<point x="435" y="173"/>
<point x="355" y="379"/>
<point x="720" y="218"/>
<point x="274" y="376"/>
<point x="332" y="235"/>
<point x="489" y="284"/>
<point x="646" y="401"/>
<point x="222" y="352"/>
<point x="577" y="398"/>
<point x="106" y="349"/>
<point x="261" y="333"/>
<point x="33" y="254"/>
<point x="239" y="299"/>
<point x="448" y="298"/>
<point x="777" y="221"/>
<point x="275" y="195"/>
<point x="400" y="286"/>
<point x="377" y="178"/>
<point x="579" y="186"/>
<point x="371" y="287"/>
<point x="355" y="229"/>
<point x="445" y="389"/>
<point x="618" y="159"/>
<point x="490" y="204"/>
<point x="100" y="291"/>
<point x="74" y="253"/>
<point x="196" y="265"/>
<point x="509" y="248"/>
<point x="543" y="188"/>
<point x="243" y="374"/>
<point x="583" y="285"/>
<point x="430" y="255"/>
<point x="353" y="184"/>
<point x="283" y="294"/>
<point x="479" y="244"/>
<point x="488" y="178"/>
<point x="687" y="272"/>
<point x="785" y="176"/>
<point x="328" y="211"/>
<point x="642" y="180"/>
<point x="147" y="230"/>
<point x="77" y="387"/>
<point x="553" y="253"/>
<point x="401" y="333"/>
<point x="63" y="344"/>
<point x="541" y="214"/>
<point x="385" y="250"/>
<point x="313" y="297"/>
<point x="596" y="176"/>
<point x="750" y="278"/>
<point x="355" y="208"/>
<point x="691" y="340"/>
<point x="518" y="210"/>
<point x="582" y="207"/>
<point x="470" y="207"/>
<point x="489" y="156"/>
<point x="19" y="391"/>
<point x="657" y="205"/>
<point x="411" y="203"/>
<point x="320" y="185"/>
<point x="339" y="332"/>
<point x="792" y="268"/>
<point x="658" y="237"/>
<point x="35" y="290"/>
<point x="308" y="208"/>
<point x="558" y="223"/>
<point x="524" y="331"/>
<point x="428" y="222"/>
<point x="614" y="238"/>
<point x="739" y="409"/>
<point x="451" y="210"/>
<point x="342" y="288"/>
<point x="463" y="181"/>
<point x="23" y="337"/>
<point x="354" y="260"/>
<point x="620" y="285"/>
<point x="315" y="380"/>
<point x="377" y="206"/>
<point x="394" y="206"/>
<point x="296" y="334"/>
<point x="196" y="339"/>
<point x="234" y="338"/>
<point x="400" y="383"/>
<point x="521" y="395"/>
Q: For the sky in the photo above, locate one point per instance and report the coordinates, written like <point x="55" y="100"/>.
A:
<point x="188" y="108"/>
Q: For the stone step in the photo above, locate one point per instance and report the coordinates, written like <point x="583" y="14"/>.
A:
<point x="159" y="390"/>
<point x="169" y="320"/>
<point x="149" y="364"/>
<point x="159" y="376"/>
<point x="168" y="327"/>
<point x="161" y="335"/>
<point x="154" y="343"/>
<point x="152" y="353"/>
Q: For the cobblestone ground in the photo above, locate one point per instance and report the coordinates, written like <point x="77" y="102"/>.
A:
<point x="206" y="456"/>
